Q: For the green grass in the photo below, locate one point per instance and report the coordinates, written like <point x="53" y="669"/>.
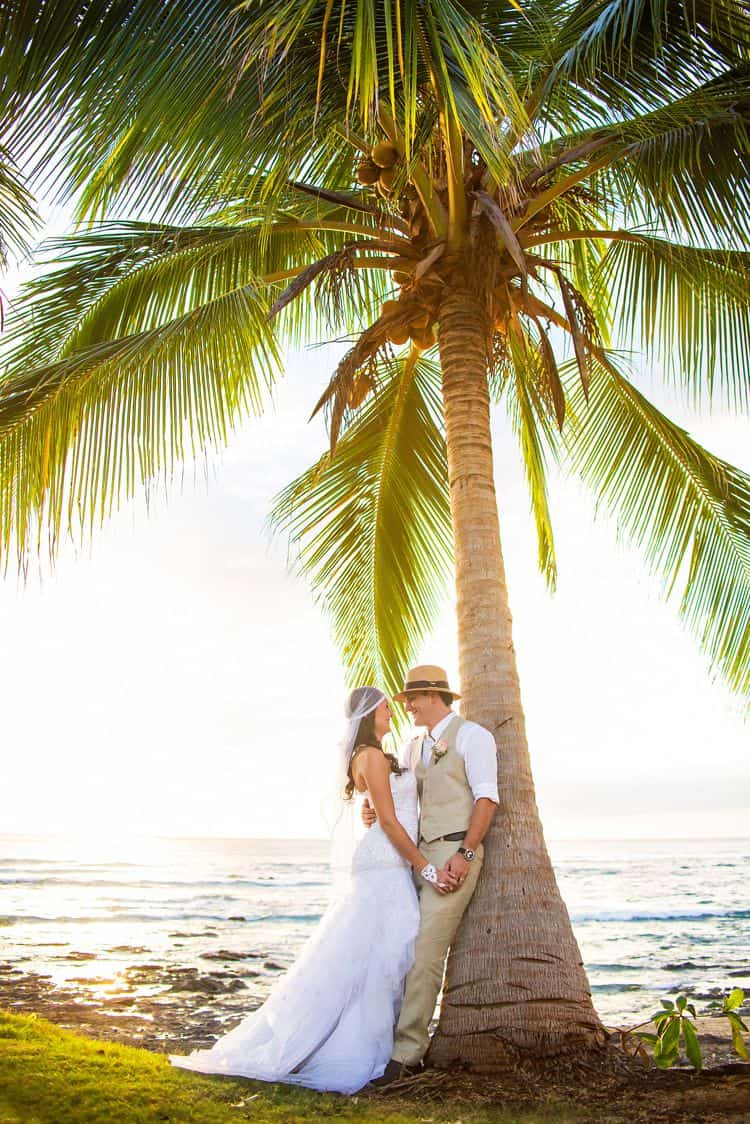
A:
<point x="53" y="1076"/>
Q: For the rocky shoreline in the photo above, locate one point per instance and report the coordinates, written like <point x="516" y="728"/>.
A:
<point x="175" y="1009"/>
<point x="154" y="1005"/>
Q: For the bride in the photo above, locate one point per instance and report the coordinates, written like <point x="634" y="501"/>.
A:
<point x="329" y="1023"/>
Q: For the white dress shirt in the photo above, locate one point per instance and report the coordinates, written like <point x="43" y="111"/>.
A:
<point x="477" y="747"/>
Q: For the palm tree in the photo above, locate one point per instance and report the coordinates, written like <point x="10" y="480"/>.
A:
<point x="503" y="184"/>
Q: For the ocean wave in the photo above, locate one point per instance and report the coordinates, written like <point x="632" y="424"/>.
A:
<point x="272" y="918"/>
<point x="149" y="884"/>
<point x="710" y="913"/>
<point x="616" y="988"/>
<point x="15" y="864"/>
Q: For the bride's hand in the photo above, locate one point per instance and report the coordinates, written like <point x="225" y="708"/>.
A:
<point x="368" y="813"/>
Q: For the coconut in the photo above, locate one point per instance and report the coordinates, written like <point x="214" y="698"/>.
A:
<point x="398" y="334"/>
<point x="422" y="338"/>
<point x="367" y="172"/>
<point x="387" y="178"/>
<point x="400" y="277"/>
<point x="384" y="154"/>
<point x="389" y="307"/>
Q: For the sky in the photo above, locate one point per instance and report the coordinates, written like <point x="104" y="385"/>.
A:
<point x="173" y="676"/>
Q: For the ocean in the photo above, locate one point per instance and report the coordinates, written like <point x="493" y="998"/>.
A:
<point x="128" y="925"/>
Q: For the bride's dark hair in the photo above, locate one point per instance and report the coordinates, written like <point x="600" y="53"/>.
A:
<point x="366" y="737"/>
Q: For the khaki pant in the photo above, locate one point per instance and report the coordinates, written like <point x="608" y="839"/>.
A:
<point x="440" y="915"/>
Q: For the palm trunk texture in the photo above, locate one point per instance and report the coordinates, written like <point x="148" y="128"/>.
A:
<point x="515" y="982"/>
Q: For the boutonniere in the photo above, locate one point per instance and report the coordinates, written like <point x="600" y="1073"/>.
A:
<point x="440" y="749"/>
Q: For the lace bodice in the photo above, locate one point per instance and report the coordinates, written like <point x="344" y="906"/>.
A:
<point x="375" y="848"/>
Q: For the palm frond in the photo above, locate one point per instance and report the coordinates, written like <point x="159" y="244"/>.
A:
<point x="79" y="434"/>
<point x="616" y="58"/>
<point x="125" y="278"/>
<point x="686" y="510"/>
<point x="108" y="128"/>
<point x="472" y="82"/>
<point x="689" y="307"/>
<point x="96" y="106"/>
<point x="681" y="166"/>
<point x="527" y="400"/>
<point x="372" y="525"/>
<point x="685" y="165"/>
<point x="18" y="213"/>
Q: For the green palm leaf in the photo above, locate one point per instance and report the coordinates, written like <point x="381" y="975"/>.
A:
<point x="690" y="307"/>
<point x="686" y="164"/>
<point x="372" y="525"/>
<point x="681" y="166"/>
<point x="77" y="435"/>
<point x="612" y="58"/>
<point x="18" y="215"/>
<point x="125" y="278"/>
<point x="688" y="511"/>
<point x="528" y="402"/>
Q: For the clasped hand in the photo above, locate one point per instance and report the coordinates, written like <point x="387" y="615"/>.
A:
<point x="448" y="879"/>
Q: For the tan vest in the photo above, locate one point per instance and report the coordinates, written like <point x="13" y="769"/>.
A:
<point x="445" y="795"/>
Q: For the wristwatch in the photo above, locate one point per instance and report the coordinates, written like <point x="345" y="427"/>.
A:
<point x="467" y="853"/>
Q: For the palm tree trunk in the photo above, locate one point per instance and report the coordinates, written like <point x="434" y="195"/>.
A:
<point x="515" y="980"/>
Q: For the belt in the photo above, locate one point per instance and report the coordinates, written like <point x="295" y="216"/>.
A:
<point x="454" y="837"/>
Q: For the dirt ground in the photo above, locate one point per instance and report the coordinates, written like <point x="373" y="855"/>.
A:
<point x="609" y="1091"/>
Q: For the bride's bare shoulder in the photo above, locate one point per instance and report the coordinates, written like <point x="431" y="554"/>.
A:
<point x="366" y="750"/>
<point x="366" y="756"/>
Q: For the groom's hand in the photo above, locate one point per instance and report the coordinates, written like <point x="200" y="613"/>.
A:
<point x="446" y="881"/>
<point x="458" y="868"/>
<point x="368" y="813"/>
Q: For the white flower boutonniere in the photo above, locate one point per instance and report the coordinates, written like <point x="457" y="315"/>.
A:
<point x="440" y="749"/>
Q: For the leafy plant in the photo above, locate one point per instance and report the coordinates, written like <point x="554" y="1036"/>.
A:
<point x="729" y="1007"/>
<point x="675" y="1027"/>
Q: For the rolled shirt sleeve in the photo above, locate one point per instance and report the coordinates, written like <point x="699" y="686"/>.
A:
<point x="477" y="747"/>
<point x="406" y="753"/>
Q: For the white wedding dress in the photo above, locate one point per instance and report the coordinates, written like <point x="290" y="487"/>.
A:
<point x="329" y="1023"/>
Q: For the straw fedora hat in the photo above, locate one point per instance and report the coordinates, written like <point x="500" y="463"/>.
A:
<point x="426" y="677"/>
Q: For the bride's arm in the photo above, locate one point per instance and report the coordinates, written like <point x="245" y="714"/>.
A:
<point x="371" y="770"/>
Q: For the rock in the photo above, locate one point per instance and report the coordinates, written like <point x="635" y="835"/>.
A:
<point x="80" y="956"/>
<point x="228" y="954"/>
<point x="188" y="979"/>
<point x="274" y="967"/>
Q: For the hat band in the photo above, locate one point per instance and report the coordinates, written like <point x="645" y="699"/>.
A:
<point x="422" y="684"/>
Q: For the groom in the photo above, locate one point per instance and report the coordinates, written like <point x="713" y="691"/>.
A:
<point x="455" y="763"/>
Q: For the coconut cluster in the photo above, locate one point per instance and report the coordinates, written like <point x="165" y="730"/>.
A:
<point x="414" y="315"/>
<point x="378" y="170"/>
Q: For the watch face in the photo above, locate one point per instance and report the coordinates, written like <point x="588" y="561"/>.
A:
<point x="467" y="853"/>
